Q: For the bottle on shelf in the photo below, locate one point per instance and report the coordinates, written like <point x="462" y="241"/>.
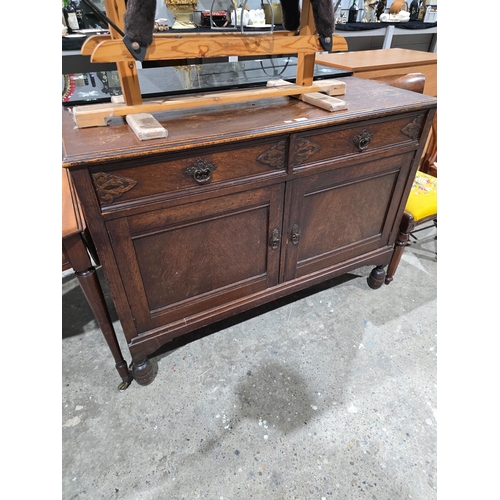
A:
<point x="64" y="25"/>
<point x="421" y="10"/>
<point x="70" y="16"/>
<point x="353" y="13"/>
<point x="79" y="13"/>
<point x="414" y="10"/>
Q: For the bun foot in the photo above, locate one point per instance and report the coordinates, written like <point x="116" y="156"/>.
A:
<point x="143" y="372"/>
<point x="376" y="278"/>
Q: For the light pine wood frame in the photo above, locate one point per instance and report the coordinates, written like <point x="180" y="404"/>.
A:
<point x="110" y="48"/>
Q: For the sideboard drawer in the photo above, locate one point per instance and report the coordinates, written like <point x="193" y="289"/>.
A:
<point x="186" y="175"/>
<point x="329" y="144"/>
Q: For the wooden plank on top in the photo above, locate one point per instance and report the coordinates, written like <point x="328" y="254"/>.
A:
<point x="93" y="41"/>
<point x="98" y="115"/>
<point x="188" y="47"/>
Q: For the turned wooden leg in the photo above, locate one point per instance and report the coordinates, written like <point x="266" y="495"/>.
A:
<point x="87" y="278"/>
<point x="142" y="371"/>
<point x="376" y="278"/>
<point x="406" y="227"/>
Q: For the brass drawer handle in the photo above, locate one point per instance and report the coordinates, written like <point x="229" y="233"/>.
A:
<point x="200" y="171"/>
<point x="295" y="234"/>
<point x="362" y="141"/>
<point x="274" y="241"/>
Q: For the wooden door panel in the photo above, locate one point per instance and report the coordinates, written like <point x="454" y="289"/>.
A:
<point x="218" y="252"/>
<point x="213" y="253"/>
<point x="334" y="218"/>
<point x="343" y="215"/>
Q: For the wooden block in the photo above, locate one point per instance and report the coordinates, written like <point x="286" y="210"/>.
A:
<point x="146" y="126"/>
<point x="330" y="86"/>
<point x="95" y="115"/>
<point x="335" y="87"/>
<point x="319" y="99"/>
<point x="324" y="101"/>
<point x="277" y="83"/>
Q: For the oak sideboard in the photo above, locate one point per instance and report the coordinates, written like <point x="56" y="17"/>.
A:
<point x="242" y="204"/>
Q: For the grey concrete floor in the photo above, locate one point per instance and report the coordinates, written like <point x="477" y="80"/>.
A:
<point x="330" y="394"/>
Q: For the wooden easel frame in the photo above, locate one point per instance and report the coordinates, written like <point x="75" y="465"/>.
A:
<point x="110" y="48"/>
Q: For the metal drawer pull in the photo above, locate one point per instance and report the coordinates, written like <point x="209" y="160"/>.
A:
<point x="362" y="141"/>
<point x="274" y="241"/>
<point x="201" y="171"/>
<point x="295" y="234"/>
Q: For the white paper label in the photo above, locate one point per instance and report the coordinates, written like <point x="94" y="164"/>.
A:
<point x="73" y="21"/>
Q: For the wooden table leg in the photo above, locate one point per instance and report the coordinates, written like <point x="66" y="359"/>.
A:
<point x="406" y="227"/>
<point x="78" y="257"/>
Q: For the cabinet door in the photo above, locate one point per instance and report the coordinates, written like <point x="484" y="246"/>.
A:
<point x="341" y="214"/>
<point x="180" y="261"/>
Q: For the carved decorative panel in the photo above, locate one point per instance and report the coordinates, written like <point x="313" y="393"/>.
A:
<point x="412" y="130"/>
<point x="111" y="187"/>
<point x="304" y="150"/>
<point x="274" y="156"/>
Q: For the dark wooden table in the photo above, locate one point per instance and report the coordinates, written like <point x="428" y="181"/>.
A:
<point x="76" y="246"/>
<point x="242" y="204"/>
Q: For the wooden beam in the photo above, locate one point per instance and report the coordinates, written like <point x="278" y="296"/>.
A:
<point x="188" y="46"/>
<point x="92" y="42"/>
<point x="129" y="79"/>
<point x="305" y="63"/>
<point x="95" y="115"/>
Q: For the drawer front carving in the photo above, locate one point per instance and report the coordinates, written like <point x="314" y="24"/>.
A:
<point x="330" y="144"/>
<point x="110" y="187"/>
<point x="210" y="168"/>
<point x="275" y="156"/>
<point x="304" y="149"/>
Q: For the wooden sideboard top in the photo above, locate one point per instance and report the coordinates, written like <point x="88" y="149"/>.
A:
<point x="223" y="124"/>
<point x="366" y="60"/>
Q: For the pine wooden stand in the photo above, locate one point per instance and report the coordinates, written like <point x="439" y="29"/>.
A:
<point x="110" y="48"/>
